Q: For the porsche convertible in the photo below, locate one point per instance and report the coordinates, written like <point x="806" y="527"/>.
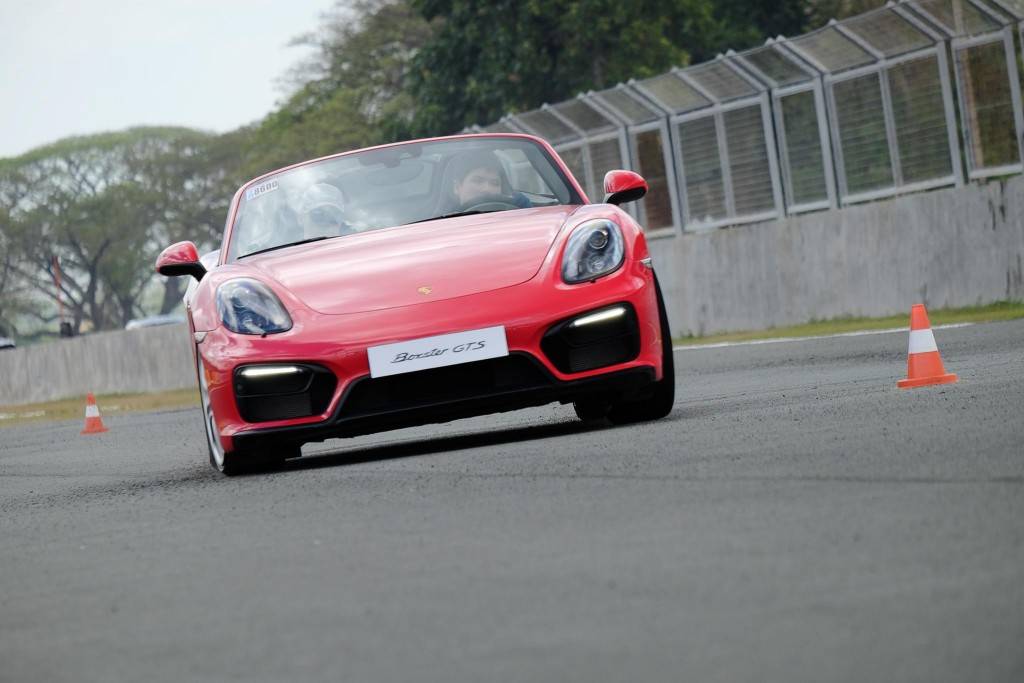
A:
<point x="421" y="282"/>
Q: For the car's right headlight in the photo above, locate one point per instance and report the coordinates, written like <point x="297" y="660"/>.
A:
<point x="248" y="306"/>
<point x="594" y="248"/>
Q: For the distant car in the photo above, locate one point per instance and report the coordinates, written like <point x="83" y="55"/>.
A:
<point x="154" y="321"/>
<point x="421" y="282"/>
<point x="7" y="343"/>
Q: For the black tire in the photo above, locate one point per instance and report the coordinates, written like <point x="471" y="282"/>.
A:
<point x="229" y="466"/>
<point x="253" y="462"/>
<point x="657" y="402"/>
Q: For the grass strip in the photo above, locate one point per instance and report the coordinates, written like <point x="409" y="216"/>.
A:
<point x="1004" y="310"/>
<point x="109" y="404"/>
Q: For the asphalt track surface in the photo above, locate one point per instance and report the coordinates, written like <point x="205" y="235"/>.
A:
<point x="796" y="518"/>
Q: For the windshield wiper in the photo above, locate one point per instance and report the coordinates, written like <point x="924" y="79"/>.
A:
<point x="289" y="244"/>
<point x="537" y="194"/>
<point x="455" y="215"/>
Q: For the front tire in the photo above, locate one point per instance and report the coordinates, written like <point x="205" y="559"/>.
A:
<point x="660" y="398"/>
<point x="231" y="463"/>
<point x="222" y="461"/>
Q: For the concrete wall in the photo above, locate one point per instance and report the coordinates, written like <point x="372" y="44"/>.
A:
<point x="148" y="359"/>
<point x="952" y="247"/>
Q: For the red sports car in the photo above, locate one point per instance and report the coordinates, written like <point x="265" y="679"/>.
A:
<point x="421" y="282"/>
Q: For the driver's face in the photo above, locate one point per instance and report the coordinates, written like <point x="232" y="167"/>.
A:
<point x="479" y="182"/>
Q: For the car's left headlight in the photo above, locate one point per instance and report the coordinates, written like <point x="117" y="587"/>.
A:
<point x="248" y="306"/>
<point x="595" y="248"/>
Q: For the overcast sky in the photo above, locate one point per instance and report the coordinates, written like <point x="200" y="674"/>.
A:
<point x="69" y="67"/>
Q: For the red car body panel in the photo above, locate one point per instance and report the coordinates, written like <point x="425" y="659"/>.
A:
<point x="454" y="257"/>
<point x="350" y="293"/>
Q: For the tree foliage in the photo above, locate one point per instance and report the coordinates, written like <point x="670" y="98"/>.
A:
<point x="742" y="24"/>
<point x="490" y="58"/>
<point x="12" y="291"/>
<point x="100" y="206"/>
<point x="820" y="11"/>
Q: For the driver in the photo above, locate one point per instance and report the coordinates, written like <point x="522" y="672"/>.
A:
<point x="479" y="175"/>
<point x="321" y="213"/>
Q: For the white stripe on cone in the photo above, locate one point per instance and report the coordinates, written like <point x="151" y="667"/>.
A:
<point x="92" y="411"/>
<point x="922" y="341"/>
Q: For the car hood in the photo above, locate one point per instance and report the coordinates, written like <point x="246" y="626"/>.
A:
<point x="417" y="263"/>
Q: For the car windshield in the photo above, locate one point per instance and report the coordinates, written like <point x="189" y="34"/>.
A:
<point x="397" y="185"/>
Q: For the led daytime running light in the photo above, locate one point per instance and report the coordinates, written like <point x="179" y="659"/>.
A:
<point x="599" y="317"/>
<point x="273" y="371"/>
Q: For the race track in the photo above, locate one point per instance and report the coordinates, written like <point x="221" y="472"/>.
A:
<point x="796" y="518"/>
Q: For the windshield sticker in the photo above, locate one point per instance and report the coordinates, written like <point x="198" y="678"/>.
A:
<point x="259" y="190"/>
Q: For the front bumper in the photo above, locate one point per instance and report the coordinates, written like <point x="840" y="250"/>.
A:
<point x="449" y="406"/>
<point x="338" y="343"/>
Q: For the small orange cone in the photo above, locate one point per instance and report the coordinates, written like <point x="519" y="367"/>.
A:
<point x="93" y="421"/>
<point x="924" y="364"/>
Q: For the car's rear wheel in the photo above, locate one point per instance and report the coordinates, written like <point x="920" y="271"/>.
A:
<point x="657" y="401"/>
<point x="237" y="461"/>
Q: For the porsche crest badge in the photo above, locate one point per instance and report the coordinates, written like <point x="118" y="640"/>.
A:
<point x="425" y="290"/>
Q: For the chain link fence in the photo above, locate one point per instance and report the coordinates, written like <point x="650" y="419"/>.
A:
<point x="915" y="95"/>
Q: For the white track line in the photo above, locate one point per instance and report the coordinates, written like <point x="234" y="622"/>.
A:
<point x="783" y="340"/>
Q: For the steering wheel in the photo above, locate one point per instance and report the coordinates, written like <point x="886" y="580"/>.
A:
<point x="490" y="202"/>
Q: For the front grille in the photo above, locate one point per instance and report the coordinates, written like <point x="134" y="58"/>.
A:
<point x="601" y="354"/>
<point x="444" y="385"/>
<point x="269" y="408"/>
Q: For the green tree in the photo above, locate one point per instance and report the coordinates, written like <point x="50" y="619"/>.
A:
<point x="820" y="11"/>
<point x="741" y="24"/>
<point x="512" y="55"/>
<point x="102" y="205"/>
<point x="127" y="267"/>
<point x="12" y="299"/>
<point x="489" y="58"/>
<point x="188" y="178"/>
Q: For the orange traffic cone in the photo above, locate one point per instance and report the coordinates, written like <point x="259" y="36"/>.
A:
<point x="924" y="364"/>
<point x="93" y="421"/>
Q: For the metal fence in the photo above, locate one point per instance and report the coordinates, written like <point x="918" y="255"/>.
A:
<point x="915" y="95"/>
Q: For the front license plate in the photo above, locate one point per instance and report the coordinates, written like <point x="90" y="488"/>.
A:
<point x="437" y="352"/>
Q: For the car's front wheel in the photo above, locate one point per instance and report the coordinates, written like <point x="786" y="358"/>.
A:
<point x="658" y="401"/>
<point x="233" y="462"/>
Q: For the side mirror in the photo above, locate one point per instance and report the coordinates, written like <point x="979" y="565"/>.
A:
<point x="180" y="259"/>
<point x="621" y="187"/>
